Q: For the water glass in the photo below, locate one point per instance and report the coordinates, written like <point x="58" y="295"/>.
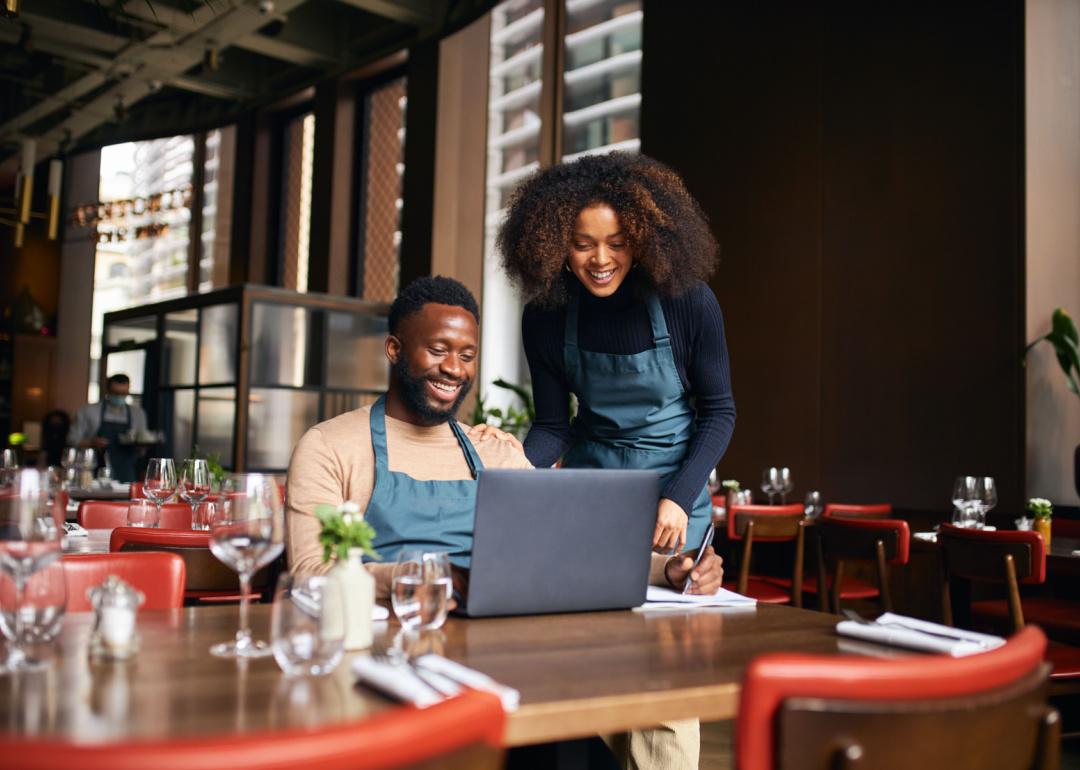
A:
<point x="786" y="485"/>
<point x="9" y="465"/>
<point x="41" y="609"/>
<point x="770" y="483"/>
<point x="307" y="625"/>
<point x="963" y="495"/>
<point x="143" y="513"/>
<point x="202" y="514"/>
<point x="421" y="589"/>
<point x="160" y="481"/>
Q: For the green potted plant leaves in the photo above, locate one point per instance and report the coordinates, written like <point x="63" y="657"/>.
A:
<point x="1066" y="343"/>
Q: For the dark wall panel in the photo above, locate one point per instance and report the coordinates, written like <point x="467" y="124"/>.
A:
<point x="861" y="167"/>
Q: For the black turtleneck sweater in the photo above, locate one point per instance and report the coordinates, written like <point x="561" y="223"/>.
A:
<point x="619" y="324"/>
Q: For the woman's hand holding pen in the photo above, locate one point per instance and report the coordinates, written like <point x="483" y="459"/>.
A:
<point x="705" y="578"/>
<point x="670" y="533"/>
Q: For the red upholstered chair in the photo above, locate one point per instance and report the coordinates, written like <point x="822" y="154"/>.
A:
<point x="461" y="732"/>
<point x="160" y="576"/>
<point x="858" y="511"/>
<point x="1012" y="559"/>
<point x="799" y="712"/>
<point x="208" y="580"/>
<point x="880" y="542"/>
<point x="136" y="490"/>
<point x="107" y="514"/>
<point x="767" y="524"/>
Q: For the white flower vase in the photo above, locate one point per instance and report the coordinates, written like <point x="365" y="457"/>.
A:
<point x="358" y="598"/>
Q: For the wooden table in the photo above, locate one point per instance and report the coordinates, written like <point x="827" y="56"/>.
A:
<point x="96" y="541"/>
<point x="579" y="675"/>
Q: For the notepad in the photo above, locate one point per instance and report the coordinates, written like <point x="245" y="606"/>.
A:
<point x="659" y="598"/>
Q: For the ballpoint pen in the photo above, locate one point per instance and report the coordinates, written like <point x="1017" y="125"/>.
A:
<point x="705" y="541"/>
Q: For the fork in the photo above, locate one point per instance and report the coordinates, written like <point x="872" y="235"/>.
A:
<point x="396" y="656"/>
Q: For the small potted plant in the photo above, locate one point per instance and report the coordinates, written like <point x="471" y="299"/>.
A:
<point x="346" y="536"/>
<point x="1041" y="509"/>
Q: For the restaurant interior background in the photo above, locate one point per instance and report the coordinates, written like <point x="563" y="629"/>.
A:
<point x="896" y="192"/>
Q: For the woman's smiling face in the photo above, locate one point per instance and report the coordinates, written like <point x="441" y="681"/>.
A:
<point x="599" y="252"/>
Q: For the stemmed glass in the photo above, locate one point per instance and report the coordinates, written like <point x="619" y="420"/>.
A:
<point x="985" y="498"/>
<point x="69" y="461"/>
<point x="770" y="483"/>
<point x="421" y="589"/>
<point x="713" y="483"/>
<point x="786" y="485"/>
<point x="246" y="534"/>
<point x="29" y="542"/>
<point x="42" y="606"/>
<point x="195" y="485"/>
<point x="160" y="481"/>
<point x="87" y="464"/>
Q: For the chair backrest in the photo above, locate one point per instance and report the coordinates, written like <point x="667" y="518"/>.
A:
<point x="461" y="732"/>
<point x="854" y="511"/>
<point x="136" y="490"/>
<point x="977" y="554"/>
<point x="160" y="576"/>
<point x="929" y="712"/>
<point x="857" y="539"/>
<point x="205" y="573"/>
<point x="772" y="523"/>
<point x="107" y="514"/>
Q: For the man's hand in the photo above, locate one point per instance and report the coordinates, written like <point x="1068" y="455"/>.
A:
<point x="484" y="432"/>
<point x="705" y="578"/>
<point x="670" y="533"/>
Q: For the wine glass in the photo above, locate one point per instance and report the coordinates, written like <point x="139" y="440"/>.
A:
<point x="29" y="542"/>
<point x="307" y="624"/>
<point x="713" y="483"/>
<point x="246" y="534"/>
<point x="421" y="589"/>
<point x="770" y="483"/>
<point x="786" y="485"/>
<point x="160" y="481"/>
<point x="42" y="607"/>
<point x="985" y="498"/>
<point x="9" y="464"/>
<point x="194" y="485"/>
<point x="202" y="514"/>
<point x="962" y="496"/>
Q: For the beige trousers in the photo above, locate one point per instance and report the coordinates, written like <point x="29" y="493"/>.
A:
<point x="671" y="746"/>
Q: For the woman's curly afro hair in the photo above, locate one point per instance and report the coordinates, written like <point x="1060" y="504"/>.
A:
<point x="666" y="230"/>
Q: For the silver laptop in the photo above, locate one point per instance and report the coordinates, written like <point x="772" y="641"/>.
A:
<point x="561" y="541"/>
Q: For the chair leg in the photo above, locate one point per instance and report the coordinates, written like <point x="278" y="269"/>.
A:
<point x="883" y="577"/>
<point x="1049" y="756"/>
<point x="796" y="578"/>
<point x="744" y="566"/>
<point x="1016" y="610"/>
<point x="838" y="576"/>
<point x="822" y="594"/>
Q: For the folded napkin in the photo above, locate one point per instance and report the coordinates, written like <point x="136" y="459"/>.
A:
<point x="658" y="598"/>
<point x="902" y="631"/>
<point x="428" y="679"/>
<point x="931" y="537"/>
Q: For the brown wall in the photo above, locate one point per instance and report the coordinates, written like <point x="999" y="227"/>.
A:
<point x="862" y="169"/>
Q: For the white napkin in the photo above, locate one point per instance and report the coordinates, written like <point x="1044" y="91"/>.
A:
<point x="469" y="677"/>
<point x="902" y="631"/>
<point x="931" y="537"/>
<point x="396" y="680"/>
<point x="659" y="598"/>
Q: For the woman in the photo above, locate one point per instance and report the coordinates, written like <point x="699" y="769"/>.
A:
<point x="612" y="253"/>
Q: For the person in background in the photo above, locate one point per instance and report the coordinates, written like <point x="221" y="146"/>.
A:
<point x="102" y="424"/>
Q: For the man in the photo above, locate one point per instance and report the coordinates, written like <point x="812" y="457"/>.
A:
<point x="102" y="424"/>
<point x="394" y="457"/>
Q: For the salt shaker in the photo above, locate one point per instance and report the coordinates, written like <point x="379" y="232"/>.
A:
<point x="115" y="604"/>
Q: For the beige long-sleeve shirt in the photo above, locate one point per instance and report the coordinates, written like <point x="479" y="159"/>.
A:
<point x="335" y="463"/>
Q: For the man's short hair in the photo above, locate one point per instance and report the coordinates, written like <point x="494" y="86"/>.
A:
<point x="118" y="379"/>
<point x="438" y="289"/>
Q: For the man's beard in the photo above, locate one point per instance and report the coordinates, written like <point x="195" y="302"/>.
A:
<point x="413" y="392"/>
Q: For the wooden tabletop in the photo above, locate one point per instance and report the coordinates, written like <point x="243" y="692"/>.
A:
<point x="579" y="674"/>
<point x="96" y="541"/>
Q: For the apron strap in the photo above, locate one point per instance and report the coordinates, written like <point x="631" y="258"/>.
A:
<point x="661" y="338"/>
<point x="467" y="448"/>
<point x="377" y="421"/>
<point x="127" y="416"/>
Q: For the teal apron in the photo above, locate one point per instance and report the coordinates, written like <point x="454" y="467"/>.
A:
<point x="121" y="458"/>
<point x="407" y="513"/>
<point x="632" y="410"/>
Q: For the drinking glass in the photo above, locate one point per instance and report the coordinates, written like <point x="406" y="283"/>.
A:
<point x="713" y="483"/>
<point x="29" y="542"/>
<point x="42" y="608"/>
<point x="69" y="458"/>
<point x="422" y="587"/>
<point x="194" y="485"/>
<point x="786" y="485"/>
<point x="307" y="628"/>
<point x="202" y="514"/>
<point x="963" y="495"/>
<point x="160" y="481"/>
<point x="87" y="464"/>
<point x="770" y="483"/>
<point x="143" y="513"/>
<point x="9" y="464"/>
<point x="985" y="498"/>
<point x="246" y="534"/>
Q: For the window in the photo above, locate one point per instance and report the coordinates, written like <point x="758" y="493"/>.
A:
<point x="382" y="169"/>
<point x="297" y="161"/>
<point x="217" y="208"/>
<point x="596" y="110"/>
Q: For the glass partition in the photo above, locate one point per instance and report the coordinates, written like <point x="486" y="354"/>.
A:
<point x="217" y="344"/>
<point x="180" y="348"/>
